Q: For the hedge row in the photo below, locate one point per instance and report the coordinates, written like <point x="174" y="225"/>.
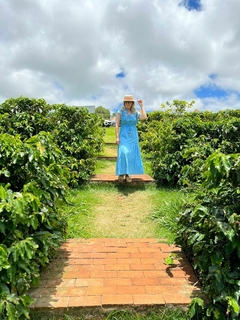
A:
<point x="44" y="150"/>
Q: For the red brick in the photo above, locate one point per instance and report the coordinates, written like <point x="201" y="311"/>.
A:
<point x="120" y="299"/>
<point x="149" y="240"/>
<point x="103" y="274"/>
<point x="161" y="289"/>
<point x="130" y="274"/>
<point x="152" y="250"/>
<point x="105" y="261"/>
<point x="154" y="274"/>
<point x="137" y="245"/>
<point x="119" y="255"/>
<point x="106" y="249"/>
<point x="75" y="275"/>
<point x="89" y="282"/>
<point x="91" y="301"/>
<point x="131" y="250"/>
<point x="95" y="255"/>
<point x="91" y="267"/>
<point x="145" y="281"/>
<point x="142" y="267"/>
<point x="147" y="261"/>
<point x="94" y="291"/>
<point x="117" y="267"/>
<point x="131" y="289"/>
<point x="147" y="299"/>
<point x="172" y="281"/>
<point x="140" y="255"/>
<point x="71" y="292"/>
<point x="129" y="261"/>
<point x="118" y="282"/>
<point x="95" y="272"/>
<point x="70" y="268"/>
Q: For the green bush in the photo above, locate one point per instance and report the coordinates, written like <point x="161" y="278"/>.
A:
<point x="78" y="133"/>
<point x="32" y="181"/>
<point x="209" y="234"/>
<point x="179" y="142"/>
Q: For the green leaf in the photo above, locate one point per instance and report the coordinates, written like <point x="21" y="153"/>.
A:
<point x="234" y="304"/>
<point x="11" y="311"/>
<point x="169" y="260"/>
<point x="2" y="307"/>
<point x="4" y="263"/>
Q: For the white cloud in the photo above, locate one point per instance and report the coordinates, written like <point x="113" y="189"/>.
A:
<point x="69" y="51"/>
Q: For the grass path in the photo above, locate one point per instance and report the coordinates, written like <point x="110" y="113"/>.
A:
<point x="107" y="211"/>
<point x="121" y="211"/>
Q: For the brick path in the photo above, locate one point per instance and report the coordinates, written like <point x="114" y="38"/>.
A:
<point x="115" y="272"/>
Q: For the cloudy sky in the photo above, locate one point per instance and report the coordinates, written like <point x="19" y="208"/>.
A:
<point x="92" y="52"/>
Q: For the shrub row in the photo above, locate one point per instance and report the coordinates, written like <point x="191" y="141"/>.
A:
<point x="180" y="143"/>
<point x="43" y="151"/>
<point x="202" y="150"/>
<point x="209" y="232"/>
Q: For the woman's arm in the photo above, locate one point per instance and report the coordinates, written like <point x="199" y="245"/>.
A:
<point x="143" y="114"/>
<point x="118" y="117"/>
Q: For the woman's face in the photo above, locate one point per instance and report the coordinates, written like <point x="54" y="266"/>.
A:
<point x="128" y="104"/>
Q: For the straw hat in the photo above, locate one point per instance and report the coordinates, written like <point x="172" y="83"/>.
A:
<point x="128" y="98"/>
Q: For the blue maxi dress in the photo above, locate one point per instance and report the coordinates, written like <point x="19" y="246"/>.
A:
<point x="129" y="158"/>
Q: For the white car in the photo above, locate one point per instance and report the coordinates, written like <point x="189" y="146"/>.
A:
<point x="109" y="123"/>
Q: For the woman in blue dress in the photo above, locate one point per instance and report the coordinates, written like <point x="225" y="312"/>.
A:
<point x="129" y="158"/>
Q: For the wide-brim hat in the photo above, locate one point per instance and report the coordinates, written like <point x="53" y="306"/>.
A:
<point x="128" y="98"/>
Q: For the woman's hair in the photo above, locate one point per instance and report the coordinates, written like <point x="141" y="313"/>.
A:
<point x="132" y="109"/>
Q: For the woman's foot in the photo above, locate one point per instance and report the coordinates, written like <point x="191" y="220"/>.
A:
<point x="121" y="178"/>
<point x="128" y="179"/>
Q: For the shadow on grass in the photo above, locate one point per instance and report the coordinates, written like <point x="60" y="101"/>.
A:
<point x="126" y="189"/>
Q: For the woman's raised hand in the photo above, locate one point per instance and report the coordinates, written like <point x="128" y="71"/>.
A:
<point x="140" y="102"/>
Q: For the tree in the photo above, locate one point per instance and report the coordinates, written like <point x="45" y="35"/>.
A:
<point x="105" y="113"/>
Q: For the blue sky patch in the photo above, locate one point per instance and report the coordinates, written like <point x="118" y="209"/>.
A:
<point x="213" y="76"/>
<point x="192" y="4"/>
<point x="210" y="91"/>
<point x="120" y="75"/>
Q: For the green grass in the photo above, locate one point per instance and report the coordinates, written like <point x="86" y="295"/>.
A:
<point x="110" y="136"/>
<point x="109" y="150"/>
<point x="168" y="313"/>
<point x="162" y="206"/>
<point x="105" y="167"/>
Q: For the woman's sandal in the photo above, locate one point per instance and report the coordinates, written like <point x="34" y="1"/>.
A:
<point x="128" y="179"/>
<point x="121" y="178"/>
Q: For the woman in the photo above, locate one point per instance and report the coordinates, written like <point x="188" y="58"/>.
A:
<point x="129" y="158"/>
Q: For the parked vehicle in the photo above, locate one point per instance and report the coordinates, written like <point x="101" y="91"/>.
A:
<point x="109" y="123"/>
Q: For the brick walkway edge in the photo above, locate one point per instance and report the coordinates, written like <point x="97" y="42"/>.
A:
<point x="102" y="273"/>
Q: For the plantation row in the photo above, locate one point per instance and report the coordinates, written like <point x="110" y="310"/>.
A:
<point x="200" y="151"/>
<point x="44" y="150"/>
<point x="47" y="149"/>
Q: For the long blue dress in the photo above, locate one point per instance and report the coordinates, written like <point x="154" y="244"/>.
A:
<point x="129" y="158"/>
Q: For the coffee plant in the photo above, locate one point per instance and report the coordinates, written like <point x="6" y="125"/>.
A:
<point x="43" y="151"/>
<point x="209" y="233"/>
